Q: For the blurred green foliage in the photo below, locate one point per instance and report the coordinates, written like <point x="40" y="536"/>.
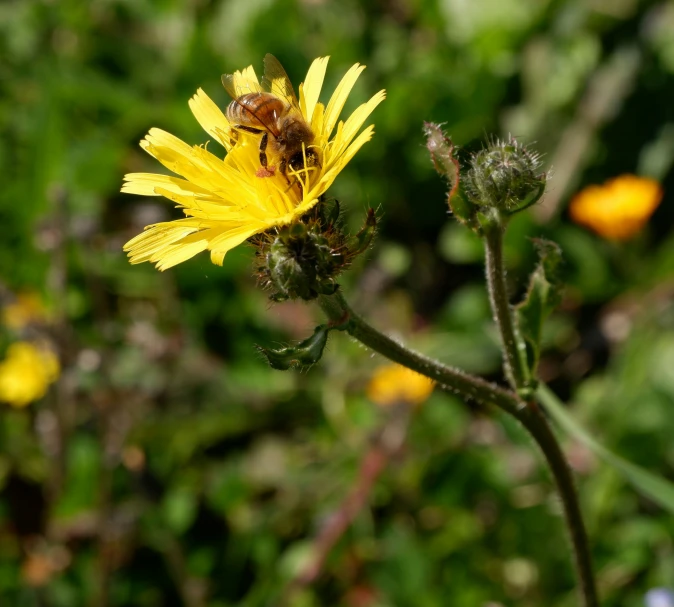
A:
<point x="171" y="466"/>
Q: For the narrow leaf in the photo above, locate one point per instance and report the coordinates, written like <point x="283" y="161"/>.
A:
<point x="656" y="488"/>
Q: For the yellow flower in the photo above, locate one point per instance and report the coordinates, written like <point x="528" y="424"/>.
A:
<point x="24" y="310"/>
<point x="26" y="373"/>
<point x="393" y="384"/>
<point x="619" y="208"/>
<point x="228" y="201"/>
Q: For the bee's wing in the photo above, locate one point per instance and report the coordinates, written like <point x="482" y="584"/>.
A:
<point x="228" y="83"/>
<point x="276" y="81"/>
<point x="241" y="83"/>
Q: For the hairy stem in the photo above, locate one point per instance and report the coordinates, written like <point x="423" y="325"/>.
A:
<point x="533" y="419"/>
<point x="514" y="348"/>
<point x="455" y="380"/>
<point x="520" y="378"/>
<point x="470" y="387"/>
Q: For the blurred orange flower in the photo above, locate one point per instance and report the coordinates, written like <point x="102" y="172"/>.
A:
<point x="619" y="208"/>
<point x="393" y="384"/>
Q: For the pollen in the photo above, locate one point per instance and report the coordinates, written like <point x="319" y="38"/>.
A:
<point x="618" y="209"/>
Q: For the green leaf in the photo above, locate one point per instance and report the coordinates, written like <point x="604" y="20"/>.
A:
<point x="543" y="296"/>
<point x="307" y="352"/>
<point x="654" y="487"/>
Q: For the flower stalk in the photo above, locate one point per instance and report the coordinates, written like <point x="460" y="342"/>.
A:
<point x="514" y="348"/>
<point x="455" y="380"/>
<point x="487" y="394"/>
<point x="534" y="420"/>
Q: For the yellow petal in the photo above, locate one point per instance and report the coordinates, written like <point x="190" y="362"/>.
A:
<point x="159" y="138"/>
<point x="355" y="121"/>
<point x="176" y="254"/>
<point x="194" y="203"/>
<point x="311" y="88"/>
<point x="196" y="164"/>
<point x="349" y="153"/>
<point x="160" y="244"/>
<point x="210" y="117"/>
<point x="218" y="257"/>
<point x="246" y="81"/>
<point x="317" y="121"/>
<point x="156" y="236"/>
<point x="144" y="184"/>
<point x="339" y="98"/>
<point x="230" y="239"/>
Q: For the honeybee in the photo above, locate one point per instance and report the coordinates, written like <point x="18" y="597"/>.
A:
<point x="273" y="111"/>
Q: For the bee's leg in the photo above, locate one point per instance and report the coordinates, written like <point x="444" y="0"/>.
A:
<point x="248" y="129"/>
<point x="283" y="168"/>
<point x="233" y="137"/>
<point x="234" y="133"/>
<point x="263" y="149"/>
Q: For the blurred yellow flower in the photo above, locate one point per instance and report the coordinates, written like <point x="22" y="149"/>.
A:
<point x="228" y="201"/>
<point x="26" y="373"/>
<point x="27" y="308"/>
<point x="619" y="208"/>
<point x="393" y="384"/>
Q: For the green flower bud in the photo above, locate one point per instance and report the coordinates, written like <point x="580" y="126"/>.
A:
<point x="303" y="260"/>
<point x="301" y="263"/>
<point x="306" y="353"/>
<point x="506" y="176"/>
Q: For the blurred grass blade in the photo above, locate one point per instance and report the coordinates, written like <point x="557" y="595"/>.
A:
<point x="656" y="488"/>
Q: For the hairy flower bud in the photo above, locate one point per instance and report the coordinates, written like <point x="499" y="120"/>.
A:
<point x="304" y="354"/>
<point x="301" y="263"/>
<point x="506" y="176"/>
<point x="303" y="260"/>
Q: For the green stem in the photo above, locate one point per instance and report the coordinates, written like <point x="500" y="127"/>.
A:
<point x="534" y="420"/>
<point x="470" y="387"/>
<point x="455" y="380"/>
<point x="514" y="348"/>
<point x="520" y="378"/>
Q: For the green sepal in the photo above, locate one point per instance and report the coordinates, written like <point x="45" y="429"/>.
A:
<point x="443" y="156"/>
<point x="464" y="210"/>
<point x="543" y="295"/>
<point x="363" y="239"/>
<point x="306" y="353"/>
<point x="330" y="212"/>
<point x="530" y="199"/>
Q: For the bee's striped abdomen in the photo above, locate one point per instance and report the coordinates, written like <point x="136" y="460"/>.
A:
<point x="257" y="110"/>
